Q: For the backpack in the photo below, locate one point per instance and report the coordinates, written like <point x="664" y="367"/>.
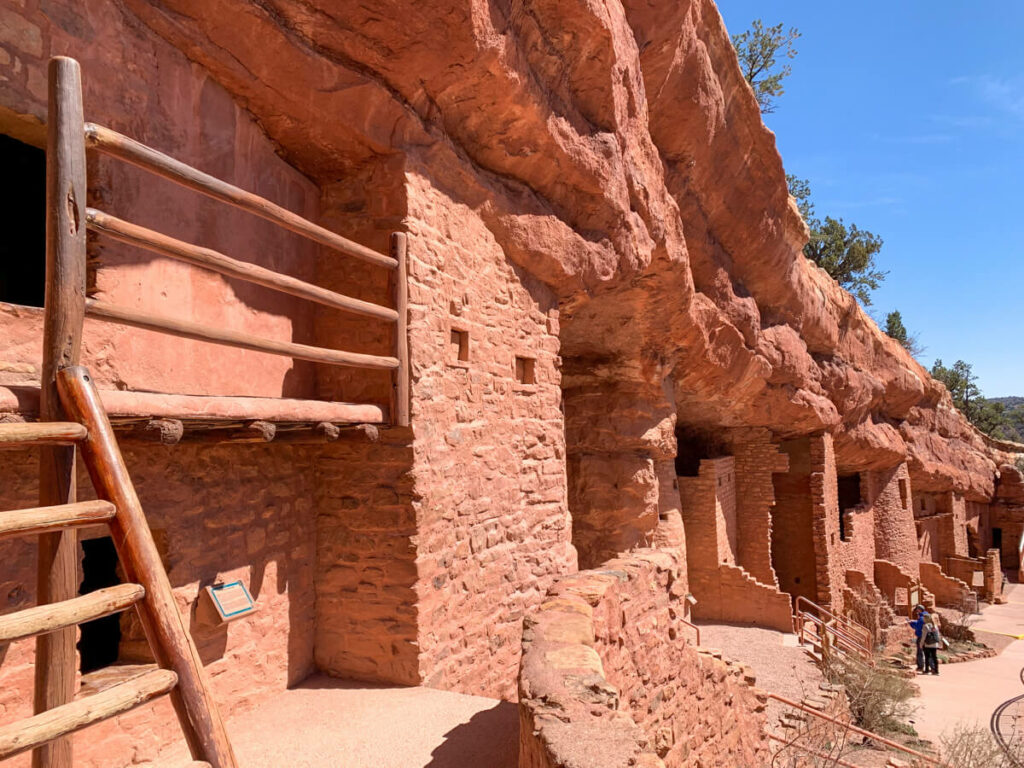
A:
<point x="931" y="637"/>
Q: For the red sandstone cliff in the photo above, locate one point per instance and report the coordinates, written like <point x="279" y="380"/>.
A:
<point x="615" y="152"/>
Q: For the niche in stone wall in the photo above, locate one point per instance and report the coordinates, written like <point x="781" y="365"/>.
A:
<point x="23" y="218"/>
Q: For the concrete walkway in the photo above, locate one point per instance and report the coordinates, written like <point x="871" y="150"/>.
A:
<point x="968" y="693"/>
<point x="328" y="723"/>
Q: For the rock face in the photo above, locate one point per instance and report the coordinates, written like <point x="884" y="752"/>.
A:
<point x="614" y="151"/>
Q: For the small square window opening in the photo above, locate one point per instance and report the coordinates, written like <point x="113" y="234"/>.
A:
<point x="526" y="370"/>
<point x="460" y="345"/>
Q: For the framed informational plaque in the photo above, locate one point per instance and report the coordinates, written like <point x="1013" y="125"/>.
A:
<point x="226" y="602"/>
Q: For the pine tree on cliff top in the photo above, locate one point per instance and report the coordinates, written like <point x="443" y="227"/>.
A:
<point x="757" y="49"/>
<point x="847" y="253"/>
<point x="987" y="415"/>
<point x="895" y="328"/>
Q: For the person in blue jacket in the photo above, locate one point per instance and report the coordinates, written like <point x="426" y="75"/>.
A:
<point x="921" y="617"/>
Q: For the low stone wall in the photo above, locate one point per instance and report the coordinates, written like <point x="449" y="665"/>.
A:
<point x="948" y="591"/>
<point x="730" y="594"/>
<point x="608" y="679"/>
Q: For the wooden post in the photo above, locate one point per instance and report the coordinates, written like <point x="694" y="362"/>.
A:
<point x="158" y="611"/>
<point x="400" y="389"/>
<point x="62" y="338"/>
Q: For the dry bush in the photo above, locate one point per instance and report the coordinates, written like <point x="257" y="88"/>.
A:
<point x="965" y="747"/>
<point x="957" y="626"/>
<point x="816" y="743"/>
<point x="879" y="699"/>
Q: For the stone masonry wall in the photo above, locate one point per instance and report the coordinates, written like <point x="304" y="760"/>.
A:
<point x="857" y="550"/>
<point x="830" y="574"/>
<point x="492" y="521"/>
<point x="608" y="679"/>
<point x="709" y="513"/>
<point x="366" y="616"/>
<point x="948" y="591"/>
<point x="979" y="528"/>
<point x="928" y="538"/>
<point x="219" y="513"/>
<point x="958" y="536"/>
<point x="724" y="591"/>
<point x="757" y="459"/>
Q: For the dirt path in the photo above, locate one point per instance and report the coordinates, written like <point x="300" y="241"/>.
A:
<point x="327" y="723"/>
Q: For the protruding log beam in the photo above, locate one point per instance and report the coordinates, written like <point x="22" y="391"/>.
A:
<point x="165" y="630"/>
<point x="164" y="431"/>
<point x="120" y="146"/>
<point x="63" y="318"/>
<point x="18" y="434"/>
<point x="58" y="723"/>
<point x="207" y="258"/>
<point x="37" y="520"/>
<point x="42" y="619"/>
<point x="189" y="330"/>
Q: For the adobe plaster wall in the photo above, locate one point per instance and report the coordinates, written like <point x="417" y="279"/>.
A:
<point x="137" y="83"/>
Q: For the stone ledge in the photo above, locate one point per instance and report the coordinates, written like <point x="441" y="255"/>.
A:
<point x="571" y="714"/>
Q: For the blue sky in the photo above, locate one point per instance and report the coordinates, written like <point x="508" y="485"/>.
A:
<point x="907" y="118"/>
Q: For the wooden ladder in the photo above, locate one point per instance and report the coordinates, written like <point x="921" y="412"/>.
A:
<point x="180" y="672"/>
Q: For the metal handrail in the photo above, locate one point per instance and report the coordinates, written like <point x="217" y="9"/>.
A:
<point x="833" y="760"/>
<point x="860" y="731"/>
<point x="694" y="627"/>
<point x="841" y="637"/>
<point x="853" y="625"/>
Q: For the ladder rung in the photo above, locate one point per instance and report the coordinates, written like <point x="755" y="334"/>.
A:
<point x="22" y="522"/>
<point x="78" y="610"/>
<point x="49" y="432"/>
<point x="19" y="737"/>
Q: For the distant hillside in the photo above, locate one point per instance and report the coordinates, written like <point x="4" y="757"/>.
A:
<point x="1011" y="423"/>
<point x="1009" y="402"/>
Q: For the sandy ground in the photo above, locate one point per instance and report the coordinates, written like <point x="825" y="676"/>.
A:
<point x="327" y="723"/>
<point x="968" y="693"/>
<point x="780" y="665"/>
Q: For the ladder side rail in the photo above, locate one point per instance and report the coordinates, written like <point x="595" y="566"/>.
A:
<point x="140" y="559"/>
<point x="400" y="376"/>
<point x="64" y="315"/>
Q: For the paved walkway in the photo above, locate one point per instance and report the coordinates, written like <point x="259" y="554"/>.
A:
<point x="328" y="723"/>
<point x="968" y="693"/>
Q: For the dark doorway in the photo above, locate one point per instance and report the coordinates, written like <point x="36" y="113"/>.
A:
<point x="997" y="539"/>
<point x="849" y="497"/>
<point x="693" y="446"/>
<point x="23" y="219"/>
<point x="100" y="639"/>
